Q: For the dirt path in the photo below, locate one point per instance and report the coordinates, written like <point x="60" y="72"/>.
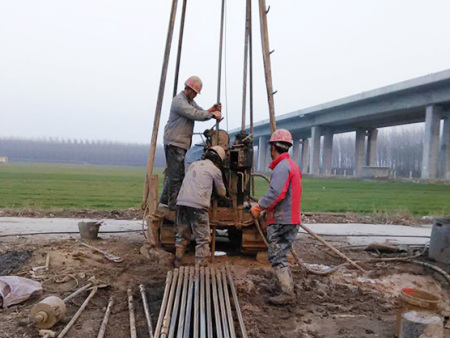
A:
<point x="343" y="305"/>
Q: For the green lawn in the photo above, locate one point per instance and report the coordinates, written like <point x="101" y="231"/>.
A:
<point x="58" y="186"/>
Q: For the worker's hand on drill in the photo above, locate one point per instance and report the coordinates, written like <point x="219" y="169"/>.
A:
<point x="217" y="115"/>
<point x="216" y="111"/>
<point x="256" y="211"/>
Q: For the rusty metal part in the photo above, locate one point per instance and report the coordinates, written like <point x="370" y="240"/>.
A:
<point x="227" y="303"/>
<point x="167" y="316"/>
<point x="77" y="314"/>
<point x="208" y="303"/>
<point x="102" y="331"/>
<point x="176" y="304"/>
<point x="133" y="332"/>
<point x="146" y="310"/>
<point x="48" y="312"/>
<point x="223" y="313"/>
<point x="216" y="304"/>
<point x="162" y="311"/>
<point x="252" y="242"/>
<point x="236" y="302"/>
<point x="202" y="303"/>
<point x="196" y="299"/>
<point x="183" y="303"/>
<point x="162" y="83"/>
<point x="107" y="255"/>
<point x="187" y="325"/>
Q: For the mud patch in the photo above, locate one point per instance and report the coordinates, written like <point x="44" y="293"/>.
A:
<point x="12" y="261"/>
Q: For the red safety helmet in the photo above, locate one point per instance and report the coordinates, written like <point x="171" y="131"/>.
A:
<point x="281" y="135"/>
<point x="194" y="83"/>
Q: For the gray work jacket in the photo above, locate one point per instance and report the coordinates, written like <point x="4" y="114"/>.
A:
<point x="198" y="184"/>
<point x="180" y="126"/>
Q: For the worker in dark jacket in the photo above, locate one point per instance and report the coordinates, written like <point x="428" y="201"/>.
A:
<point x="282" y="205"/>
<point x="178" y="135"/>
<point x="194" y="201"/>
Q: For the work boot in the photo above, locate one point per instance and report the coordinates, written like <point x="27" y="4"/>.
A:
<point x="202" y="261"/>
<point x="287" y="295"/>
<point x="179" y="254"/>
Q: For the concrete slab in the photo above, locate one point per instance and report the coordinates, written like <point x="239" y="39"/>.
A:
<point x="22" y="225"/>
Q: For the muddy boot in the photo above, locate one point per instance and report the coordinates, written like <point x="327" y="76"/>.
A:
<point x="179" y="254"/>
<point x="202" y="261"/>
<point x="287" y="295"/>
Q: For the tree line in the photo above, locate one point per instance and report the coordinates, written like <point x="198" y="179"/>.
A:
<point x="78" y="152"/>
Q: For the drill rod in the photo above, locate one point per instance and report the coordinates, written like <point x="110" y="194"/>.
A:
<point x="202" y="303"/>
<point x="216" y="304"/>
<point x="173" y="320"/>
<point x="187" y="326"/>
<point x="236" y="302"/>
<point x="208" y="302"/>
<point x="101" y="332"/>
<point x="166" y="321"/>
<point x="133" y="332"/>
<point x="164" y="303"/>
<point x="222" y="304"/>
<point x="183" y="303"/>
<point x="146" y="310"/>
<point x="228" y="303"/>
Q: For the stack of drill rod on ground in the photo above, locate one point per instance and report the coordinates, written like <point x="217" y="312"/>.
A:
<point x="197" y="303"/>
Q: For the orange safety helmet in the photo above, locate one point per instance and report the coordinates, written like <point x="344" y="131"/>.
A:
<point x="281" y="135"/>
<point x="194" y="83"/>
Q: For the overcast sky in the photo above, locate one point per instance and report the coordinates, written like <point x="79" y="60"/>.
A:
<point x="91" y="69"/>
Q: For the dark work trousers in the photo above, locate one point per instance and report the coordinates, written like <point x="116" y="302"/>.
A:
<point x="175" y="173"/>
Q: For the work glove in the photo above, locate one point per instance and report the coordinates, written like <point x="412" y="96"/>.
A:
<point x="256" y="211"/>
<point x="217" y="115"/>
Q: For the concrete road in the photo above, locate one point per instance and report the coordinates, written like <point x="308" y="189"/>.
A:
<point x="350" y="233"/>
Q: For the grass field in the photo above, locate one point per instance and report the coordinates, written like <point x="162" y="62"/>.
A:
<point x="58" y="186"/>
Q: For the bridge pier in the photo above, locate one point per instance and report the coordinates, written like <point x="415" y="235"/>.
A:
<point x="296" y="151"/>
<point x="262" y="150"/>
<point x="431" y="142"/>
<point x="445" y="149"/>
<point x="327" y="151"/>
<point x="359" y="150"/>
<point x="316" y="132"/>
<point x="305" y="156"/>
<point x="371" y="158"/>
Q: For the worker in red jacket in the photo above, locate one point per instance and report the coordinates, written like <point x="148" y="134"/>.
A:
<point x="282" y="204"/>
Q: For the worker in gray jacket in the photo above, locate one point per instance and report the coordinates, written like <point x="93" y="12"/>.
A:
<point x="178" y="135"/>
<point x="193" y="203"/>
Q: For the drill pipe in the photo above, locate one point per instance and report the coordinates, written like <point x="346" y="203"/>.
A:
<point x="202" y="303"/>
<point x="78" y="313"/>
<point x="196" y="300"/>
<point x="208" y="303"/>
<point x="101" y="332"/>
<point x="133" y="332"/>
<point x="146" y="310"/>
<point x="228" y="303"/>
<point x="183" y="303"/>
<point x="216" y="304"/>
<point x="187" y="326"/>
<point x="236" y="302"/>
<point x="223" y="313"/>
<point x="166" y="321"/>
<point x="173" y="321"/>
<point x="164" y="302"/>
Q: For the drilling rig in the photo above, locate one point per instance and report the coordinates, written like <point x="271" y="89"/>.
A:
<point x="231" y="212"/>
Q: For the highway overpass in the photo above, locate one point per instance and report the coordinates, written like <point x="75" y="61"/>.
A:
<point x="424" y="99"/>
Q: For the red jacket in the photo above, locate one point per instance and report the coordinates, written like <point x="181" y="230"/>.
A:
<point x="283" y="200"/>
